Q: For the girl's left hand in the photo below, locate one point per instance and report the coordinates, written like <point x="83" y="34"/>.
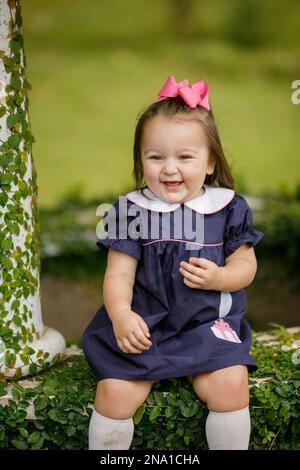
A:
<point x="200" y="273"/>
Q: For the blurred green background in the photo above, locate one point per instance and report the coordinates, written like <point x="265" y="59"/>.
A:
<point x="95" y="65"/>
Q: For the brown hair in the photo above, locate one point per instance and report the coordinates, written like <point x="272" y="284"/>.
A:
<point x="169" y="107"/>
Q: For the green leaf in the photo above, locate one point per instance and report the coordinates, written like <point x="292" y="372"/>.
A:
<point x="34" y="437"/>
<point x="172" y="400"/>
<point x="40" y="404"/>
<point x="16" y="83"/>
<point x="55" y="416"/>
<point x="150" y="399"/>
<point x="38" y="445"/>
<point x="2" y="111"/>
<point x="6" y="262"/>
<point x="19" y="444"/>
<point x="154" y="413"/>
<point x="16" y="394"/>
<point x="185" y="410"/>
<point x="169" y="411"/>
<point x="22" y="169"/>
<point x="71" y="430"/>
<point x="6" y="178"/>
<point x="15" y="305"/>
<point x="6" y="244"/>
<point x="33" y="368"/>
<point x="139" y="414"/>
<point x="159" y="399"/>
<point x="49" y="391"/>
<point x="22" y="185"/>
<point x="14" y="141"/>
<point x="12" y="120"/>
<point x="17" y="320"/>
<point x="13" y="228"/>
<point x="23" y="432"/>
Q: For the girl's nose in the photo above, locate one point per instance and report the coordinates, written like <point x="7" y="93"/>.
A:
<point x="170" y="168"/>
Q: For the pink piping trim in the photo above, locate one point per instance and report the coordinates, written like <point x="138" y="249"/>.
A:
<point x="182" y="241"/>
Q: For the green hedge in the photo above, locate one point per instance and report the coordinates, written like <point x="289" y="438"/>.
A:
<point x="172" y="417"/>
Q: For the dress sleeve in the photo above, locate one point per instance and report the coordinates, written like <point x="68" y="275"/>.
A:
<point x="238" y="227"/>
<point x="115" y="233"/>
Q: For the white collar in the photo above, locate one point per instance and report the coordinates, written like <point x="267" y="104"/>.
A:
<point x="212" y="200"/>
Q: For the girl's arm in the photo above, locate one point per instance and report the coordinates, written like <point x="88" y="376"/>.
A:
<point x="118" y="282"/>
<point x="239" y="270"/>
<point x="131" y="331"/>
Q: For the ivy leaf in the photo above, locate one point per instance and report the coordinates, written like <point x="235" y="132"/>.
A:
<point x="14" y="141"/>
<point x="2" y="111"/>
<point x="33" y="368"/>
<point x="6" y="178"/>
<point x="12" y="120"/>
<point x="6" y="262"/>
<point x="15" y="80"/>
<point x="13" y="228"/>
<point x="40" y="404"/>
<point x="3" y="199"/>
<point x="6" y="245"/>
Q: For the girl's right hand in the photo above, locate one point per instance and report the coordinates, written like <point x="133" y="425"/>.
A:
<point x="131" y="332"/>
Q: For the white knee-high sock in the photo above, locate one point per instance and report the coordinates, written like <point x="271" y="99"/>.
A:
<point x="110" y="434"/>
<point x="228" y="431"/>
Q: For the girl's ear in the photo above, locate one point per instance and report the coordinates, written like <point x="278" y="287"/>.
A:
<point x="210" y="166"/>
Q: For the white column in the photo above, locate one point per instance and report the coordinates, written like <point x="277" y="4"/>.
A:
<point x="26" y="345"/>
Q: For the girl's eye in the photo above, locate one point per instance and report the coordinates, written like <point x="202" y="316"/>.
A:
<point x="155" y="157"/>
<point x="185" y="156"/>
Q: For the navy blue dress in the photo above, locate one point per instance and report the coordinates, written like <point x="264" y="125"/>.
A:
<point x="192" y="330"/>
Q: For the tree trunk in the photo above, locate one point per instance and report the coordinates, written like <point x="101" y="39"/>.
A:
<point x="26" y="345"/>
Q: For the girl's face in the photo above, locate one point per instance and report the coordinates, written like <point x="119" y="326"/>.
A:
<point x="175" y="150"/>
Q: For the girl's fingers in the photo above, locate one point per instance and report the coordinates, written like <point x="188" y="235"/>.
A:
<point x="144" y="330"/>
<point x="139" y="342"/>
<point x="190" y="284"/>
<point x="129" y="348"/>
<point x="191" y="277"/>
<point x="191" y="268"/>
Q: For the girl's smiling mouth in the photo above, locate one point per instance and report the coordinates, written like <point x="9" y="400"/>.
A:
<point x="172" y="184"/>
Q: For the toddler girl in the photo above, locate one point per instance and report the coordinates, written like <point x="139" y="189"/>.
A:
<point x="180" y="253"/>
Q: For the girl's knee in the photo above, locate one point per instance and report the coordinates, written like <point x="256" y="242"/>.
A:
<point x="121" y="395"/>
<point x="224" y="389"/>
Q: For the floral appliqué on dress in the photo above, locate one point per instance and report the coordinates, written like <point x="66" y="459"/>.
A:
<point x="223" y="330"/>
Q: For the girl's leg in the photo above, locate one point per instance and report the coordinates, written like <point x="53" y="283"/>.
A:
<point x="226" y="392"/>
<point x="111" y="425"/>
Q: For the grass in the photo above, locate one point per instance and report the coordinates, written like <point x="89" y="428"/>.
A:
<point x="94" y="66"/>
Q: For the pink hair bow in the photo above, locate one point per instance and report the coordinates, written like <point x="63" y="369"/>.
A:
<point x="195" y="95"/>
